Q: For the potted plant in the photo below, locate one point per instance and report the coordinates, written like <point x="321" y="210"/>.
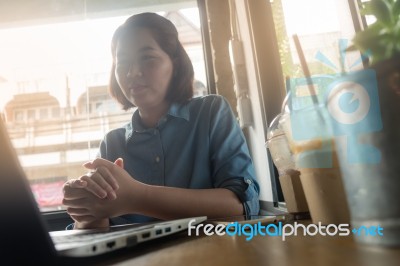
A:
<point x="373" y="186"/>
<point x="381" y="40"/>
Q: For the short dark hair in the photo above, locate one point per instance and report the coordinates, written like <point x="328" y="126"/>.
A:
<point x="180" y="89"/>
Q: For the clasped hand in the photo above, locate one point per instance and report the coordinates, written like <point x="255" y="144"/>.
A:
<point x="100" y="193"/>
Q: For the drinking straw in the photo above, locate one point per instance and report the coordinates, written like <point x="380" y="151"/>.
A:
<point x="305" y="69"/>
<point x="307" y="74"/>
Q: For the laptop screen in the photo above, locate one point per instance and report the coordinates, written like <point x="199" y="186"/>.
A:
<point x="24" y="236"/>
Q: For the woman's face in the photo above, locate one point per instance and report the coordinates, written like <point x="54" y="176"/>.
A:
<point x="142" y="69"/>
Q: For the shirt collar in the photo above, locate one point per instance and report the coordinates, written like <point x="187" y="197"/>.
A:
<point x="179" y="110"/>
<point x="175" y="110"/>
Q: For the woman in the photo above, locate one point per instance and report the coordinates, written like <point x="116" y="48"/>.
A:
<point x="179" y="156"/>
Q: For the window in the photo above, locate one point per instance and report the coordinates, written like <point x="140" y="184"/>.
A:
<point x="31" y="114"/>
<point x="54" y="71"/>
<point x="368" y="18"/>
<point x="55" y="112"/>
<point x="265" y="30"/>
<point x="43" y="113"/>
<point x="18" y="115"/>
<point x="324" y="28"/>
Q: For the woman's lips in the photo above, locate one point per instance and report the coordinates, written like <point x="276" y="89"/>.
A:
<point x="137" y="88"/>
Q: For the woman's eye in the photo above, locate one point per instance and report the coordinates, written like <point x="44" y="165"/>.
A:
<point x="147" y="57"/>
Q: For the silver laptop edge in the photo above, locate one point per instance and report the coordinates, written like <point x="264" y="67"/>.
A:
<point x="105" y="242"/>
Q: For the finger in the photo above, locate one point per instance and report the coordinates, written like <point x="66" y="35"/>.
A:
<point x="119" y="162"/>
<point x="74" y="183"/>
<point x="98" y="162"/>
<point x="111" y="182"/>
<point x="75" y="193"/>
<point x="111" y="168"/>
<point x="77" y="183"/>
<point x="74" y="203"/>
<point x="78" y="211"/>
<point x="95" y="183"/>
<point x="93" y="187"/>
<point x="89" y="165"/>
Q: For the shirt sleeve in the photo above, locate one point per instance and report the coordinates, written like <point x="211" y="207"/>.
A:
<point x="232" y="165"/>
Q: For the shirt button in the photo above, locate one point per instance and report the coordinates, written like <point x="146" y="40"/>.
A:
<point x="157" y="159"/>
<point x="248" y="181"/>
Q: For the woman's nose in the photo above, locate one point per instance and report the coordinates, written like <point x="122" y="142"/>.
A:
<point x="134" y="71"/>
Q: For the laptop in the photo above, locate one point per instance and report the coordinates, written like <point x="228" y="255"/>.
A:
<point x="25" y="239"/>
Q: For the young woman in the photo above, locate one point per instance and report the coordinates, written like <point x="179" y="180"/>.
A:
<point x="179" y="156"/>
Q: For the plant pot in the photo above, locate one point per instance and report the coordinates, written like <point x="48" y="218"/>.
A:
<point x="370" y="158"/>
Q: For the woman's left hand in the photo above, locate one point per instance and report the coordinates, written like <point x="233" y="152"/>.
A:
<point x="100" y="181"/>
<point x="115" y="191"/>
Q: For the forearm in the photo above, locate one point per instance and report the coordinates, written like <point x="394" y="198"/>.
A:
<point x="172" y="203"/>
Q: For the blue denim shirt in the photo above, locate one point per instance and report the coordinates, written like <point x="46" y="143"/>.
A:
<point x="196" y="145"/>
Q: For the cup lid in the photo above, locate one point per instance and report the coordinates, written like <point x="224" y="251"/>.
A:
<point x="274" y="128"/>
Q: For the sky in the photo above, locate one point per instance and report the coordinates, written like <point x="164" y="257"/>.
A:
<point x="310" y="16"/>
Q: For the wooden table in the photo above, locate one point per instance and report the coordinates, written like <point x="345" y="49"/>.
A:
<point x="182" y="249"/>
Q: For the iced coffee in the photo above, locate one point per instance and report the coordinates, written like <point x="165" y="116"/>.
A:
<point x="320" y="176"/>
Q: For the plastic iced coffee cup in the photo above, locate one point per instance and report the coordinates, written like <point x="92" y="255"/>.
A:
<point x="289" y="178"/>
<point x="369" y="152"/>
<point x="316" y="159"/>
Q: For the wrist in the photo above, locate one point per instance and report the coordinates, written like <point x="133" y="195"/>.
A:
<point x="135" y="197"/>
<point x="102" y="223"/>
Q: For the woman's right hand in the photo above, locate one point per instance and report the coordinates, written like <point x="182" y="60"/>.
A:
<point x="93" y="196"/>
<point x="85" y="188"/>
<point x="74" y="190"/>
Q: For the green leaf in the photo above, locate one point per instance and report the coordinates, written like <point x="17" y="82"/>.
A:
<point x="366" y="37"/>
<point x="366" y="9"/>
<point x="382" y="38"/>
<point x="396" y="10"/>
<point x="372" y="39"/>
<point x="381" y="11"/>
